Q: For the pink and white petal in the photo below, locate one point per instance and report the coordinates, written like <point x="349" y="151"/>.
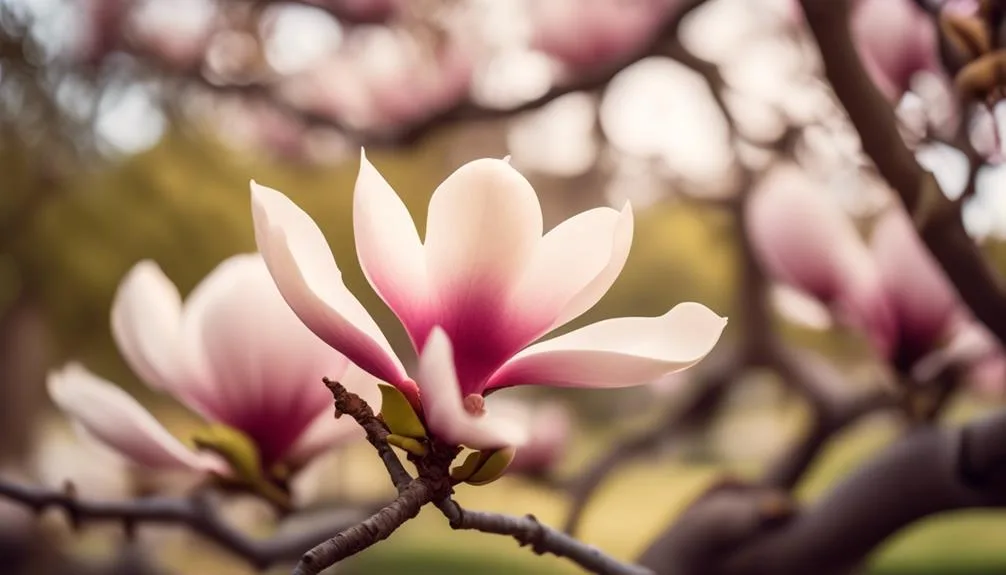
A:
<point x="266" y="365"/>
<point x="113" y="417"/>
<point x="389" y="248"/>
<point x="146" y="326"/>
<point x="444" y="411"/>
<point x="483" y="227"/>
<point x="617" y="352"/>
<point x="923" y="297"/>
<point x="802" y="238"/>
<point x="146" y="313"/>
<point x="575" y="264"/>
<point x="304" y="269"/>
<point x="799" y="308"/>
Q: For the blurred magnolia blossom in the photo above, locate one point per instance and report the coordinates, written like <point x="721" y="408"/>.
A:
<point x="584" y="33"/>
<point x="382" y="78"/>
<point x="483" y="285"/>
<point x="233" y="353"/>
<point x="896" y="39"/>
<point x="803" y="240"/>
<point x="893" y="290"/>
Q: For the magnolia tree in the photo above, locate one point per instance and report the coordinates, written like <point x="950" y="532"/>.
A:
<point x="884" y="90"/>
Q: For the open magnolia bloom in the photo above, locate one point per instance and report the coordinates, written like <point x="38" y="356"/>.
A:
<point x="235" y="354"/>
<point x="483" y="285"/>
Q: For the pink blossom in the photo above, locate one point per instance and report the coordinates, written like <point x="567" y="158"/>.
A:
<point x="383" y="80"/>
<point x="922" y="298"/>
<point x="803" y="240"/>
<point x="483" y="285"/>
<point x="592" y="32"/>
<point x="233" y="352"/>
<point x="896" y="39"/>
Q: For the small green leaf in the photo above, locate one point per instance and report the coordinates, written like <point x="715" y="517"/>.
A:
<point x="236" y="448"/>
<point x="408" y="444"/>
<point x="398" y="414"/>
<point x="470" y="465"/>
<point x="242" y="455"/>
<point x="494" y="464"/>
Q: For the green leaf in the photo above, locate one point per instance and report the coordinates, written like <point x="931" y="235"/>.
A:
<point x="408" y="444"/>
<point x="494" y="464"/>
<point x="470" y="465"/>
<point x="399" y="415"/>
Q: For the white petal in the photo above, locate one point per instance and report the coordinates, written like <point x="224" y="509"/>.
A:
<point x="302" y="265"/>
<point x="266" y="366"/>
<point x="146" y="324"/>
<point x="800" y="308"/>
<point x="327" y="432"/>
<point x="442" y="405"/>
<point x="389" y="248"/>
<point x="617" y="352"/>
<point x="112" y="416"/>
<point x="574" y="265"/>
<point x="483" y="226"/>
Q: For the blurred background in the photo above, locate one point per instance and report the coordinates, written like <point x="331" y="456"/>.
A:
<point x="129" y="129"/>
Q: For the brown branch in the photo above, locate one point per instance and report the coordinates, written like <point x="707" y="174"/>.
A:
<point x="937" y="218"/>
<point x="929" y="471"/>
<point x="832" y="412"/>
<point x="197" y="513"/>
<point x="347" y="403"/>
<point x="375" y="528"/>
<point x="528" y="531"/>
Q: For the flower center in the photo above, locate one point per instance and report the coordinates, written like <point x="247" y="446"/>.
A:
<point x="475" y="404"/>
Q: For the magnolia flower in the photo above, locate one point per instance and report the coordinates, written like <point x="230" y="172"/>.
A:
<point x="589" y="32"/>
<point x="483" y="285"/>
<point x="896" y="39"/>
<point x="923" y="300"/>
<point x="234" y="353"/>
<point x="803" y="240"/>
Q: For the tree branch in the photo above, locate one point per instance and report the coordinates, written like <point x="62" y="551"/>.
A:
<point x="929" y="471"/>
<point x="196" y="513"/>
<point x="833" y="410"/>
<point x="528" y="531"/>
<point x="937" y="218"/>
<point x="375" y="528"/>
<point x="347" y="403"/>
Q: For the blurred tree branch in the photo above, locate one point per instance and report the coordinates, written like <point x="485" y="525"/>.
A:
<point x="929" y="471"/>
<point x="197" y="513"/>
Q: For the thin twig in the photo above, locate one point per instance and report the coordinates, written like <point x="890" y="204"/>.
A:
<point x="350" y="404"/>
<point x="528" y="531"/>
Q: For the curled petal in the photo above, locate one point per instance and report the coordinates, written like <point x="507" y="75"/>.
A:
<point x="444" y="410"/>
<point x="617" y="352"/>
<point x="302" y="265"/>
<point x="113" y="417"/>
<point x="574" y="265"/>
<point x="389" y="248"/>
